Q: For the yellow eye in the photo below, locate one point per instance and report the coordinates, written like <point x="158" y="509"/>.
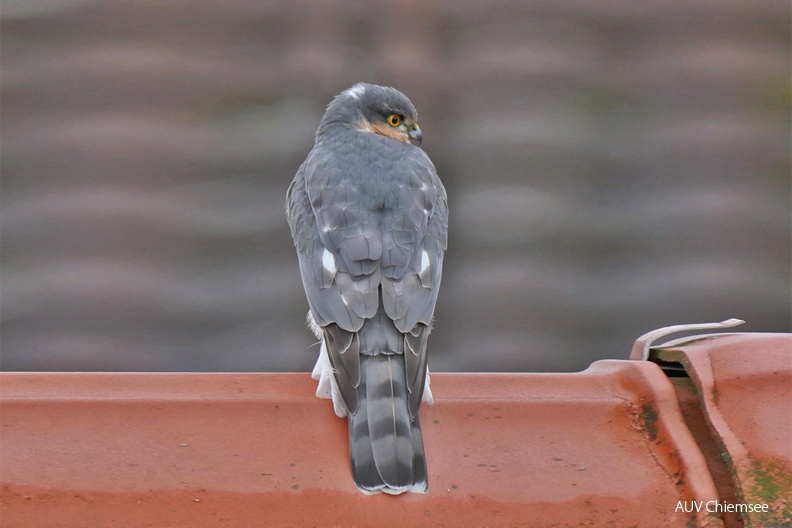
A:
<point x="394" y="120"/>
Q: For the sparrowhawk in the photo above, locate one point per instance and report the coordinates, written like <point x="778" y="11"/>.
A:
<point x="369" y="218"/>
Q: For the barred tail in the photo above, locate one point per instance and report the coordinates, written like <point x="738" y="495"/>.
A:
<point x="386" y="447"/>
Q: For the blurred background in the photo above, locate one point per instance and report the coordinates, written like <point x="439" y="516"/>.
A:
<point x="612" y="167"/>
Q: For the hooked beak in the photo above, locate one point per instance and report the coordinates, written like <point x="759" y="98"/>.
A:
<point x="415" y="135"/>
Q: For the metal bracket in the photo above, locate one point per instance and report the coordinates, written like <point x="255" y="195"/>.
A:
<point x="640" y="350"/>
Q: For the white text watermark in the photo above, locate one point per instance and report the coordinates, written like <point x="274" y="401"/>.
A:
<point x="719" y="507"/>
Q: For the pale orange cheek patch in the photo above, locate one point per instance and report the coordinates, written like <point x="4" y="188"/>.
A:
<point x="389" y="131"/>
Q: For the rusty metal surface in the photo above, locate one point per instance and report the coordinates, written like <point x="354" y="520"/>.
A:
<point x="604" y="447"/>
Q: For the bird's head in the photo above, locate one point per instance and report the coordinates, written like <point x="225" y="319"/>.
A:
<point x="375" y="109"/>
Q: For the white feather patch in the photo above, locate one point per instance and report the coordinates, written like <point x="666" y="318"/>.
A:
<point x="315" y="328"/>
<point x="356" y="91"/>
<point x="424" y="261"/>
<point x="328" y="262"/>
<point x="427" y="397"/>
<point x="326" y="388"/>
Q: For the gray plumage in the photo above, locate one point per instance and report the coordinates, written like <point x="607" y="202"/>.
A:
<point x="369" y="219"/>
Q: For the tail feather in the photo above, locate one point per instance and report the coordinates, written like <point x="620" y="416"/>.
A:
<point x="386" y="446"/>
<point x="420" y="473"/>
<point x="389" y="424"/>
<point x="364" y="468"/>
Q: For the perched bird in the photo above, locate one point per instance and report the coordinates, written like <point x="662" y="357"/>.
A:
<point x="369" y="218"/>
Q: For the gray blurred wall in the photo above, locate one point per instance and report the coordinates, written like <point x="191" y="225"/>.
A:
<point x="612" y="167"/>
